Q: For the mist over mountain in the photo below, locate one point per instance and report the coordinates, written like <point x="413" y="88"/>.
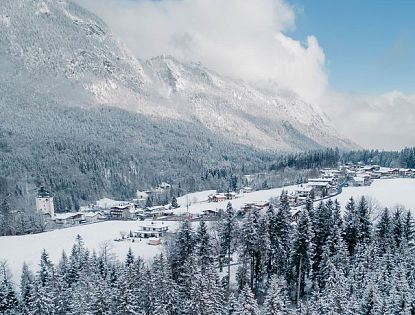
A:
<point x="68" y="88"/>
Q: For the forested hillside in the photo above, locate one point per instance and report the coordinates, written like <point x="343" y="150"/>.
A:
<point x="84" y="154"/>
<point x="404" y="158"/>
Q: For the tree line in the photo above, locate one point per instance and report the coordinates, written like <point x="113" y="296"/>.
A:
<point x="326" y="263"/>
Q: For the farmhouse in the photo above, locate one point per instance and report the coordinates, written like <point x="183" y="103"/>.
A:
<point x="216" y="198"/>
<point x="156" y="211"/>
<point x="92" y="217"/>
<point x="209" y="213"/>
<point x="230" y="195"/>
<point x="70" y="218"/>
<point x="246" y="189"/>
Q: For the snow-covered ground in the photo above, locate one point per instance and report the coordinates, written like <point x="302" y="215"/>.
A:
<point x="27" y="248"/>
<point x="198" y="201"/>
<point x="386" y="192"/>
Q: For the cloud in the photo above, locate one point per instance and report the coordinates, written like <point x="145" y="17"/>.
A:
<point x="247" y="39"/>
<point x="379" y="121"/>
<point x="241" y="38"/>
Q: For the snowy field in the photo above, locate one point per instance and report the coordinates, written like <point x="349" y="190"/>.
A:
<point x="27" y="248"/>
<point x="386" y="192"/>
<point x="198" y="201"/>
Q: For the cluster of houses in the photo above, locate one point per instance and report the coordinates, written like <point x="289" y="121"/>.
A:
<point x="363" y="175"/>
<point x="326" y="184"/>
<point x="317" y="188"/>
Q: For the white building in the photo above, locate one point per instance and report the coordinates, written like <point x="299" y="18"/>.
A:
<point x="44" y="202"/>
<point x="151" y="229"/>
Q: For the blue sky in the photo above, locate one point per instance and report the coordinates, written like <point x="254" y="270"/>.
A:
<point x="369" y="44"/>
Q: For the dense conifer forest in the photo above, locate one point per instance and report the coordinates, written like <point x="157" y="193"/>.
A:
<point x="82" y="155"/>
<point x="358" y="262"/>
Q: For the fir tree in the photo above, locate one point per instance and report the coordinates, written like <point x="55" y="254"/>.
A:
<point x="351" y="226"/>
<point x="276" y="301"/>
<point x="8" y="296"/>
<point x="397" y="227"/>
<point x="183" y="248"/>
<point x="364" y="221"/>
<point x="383" y="231"/>
<point x="26" y="288"/>
<point x="283" y="235"/>
<point x="227" y="234"/>
<point x="174" y="203"/>
<point x="203" y="246"/>
<point x="301" y="253"/>
<point x="408" y="228"/>
<point x="247" y="305"/>
<point x="130" y="258"/>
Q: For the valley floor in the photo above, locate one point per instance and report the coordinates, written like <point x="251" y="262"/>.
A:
<point x="27" y="248"/>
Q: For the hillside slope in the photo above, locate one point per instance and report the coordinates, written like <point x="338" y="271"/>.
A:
<point x="74" y="57"/>
<point x="83" y="116"/>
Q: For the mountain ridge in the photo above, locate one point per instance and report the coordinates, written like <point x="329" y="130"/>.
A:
<point x="75" y="52"/>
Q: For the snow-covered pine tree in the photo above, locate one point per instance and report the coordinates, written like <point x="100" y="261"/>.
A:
<point x="8" y="297"/>
<point x="232" y="305"/>
<point x="129" y="260"/>
<point x="276" y="301"/>
<point x="351" y="226"/>
<point x="250" y="241"/>
<point x="163" y="289"/>
<point x="228" y="237"/>
<point x="247" y="305"/>
<point x="284" y="235"/>
<point x="203" y="247"/>
<point x="397" y="227"/>
<point x="174" y="203"/>
<point x="26" y="288"/>
<point x="383" y="232"/>
<point x="181" y="249"/>
<point x="371" y="303"/>
<point x="321" y="232"/>
<point x="365" y="224"/>
<point x="274" y="249"/>
<point x="335" y="298"/>
<point x="126" y="299"/>
<point x="301" y="253"/>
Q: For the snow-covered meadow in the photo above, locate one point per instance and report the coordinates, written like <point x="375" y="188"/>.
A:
<point x="198" y="201"/>
<point x="27" y="248"/>
<point x="386" y="192"/>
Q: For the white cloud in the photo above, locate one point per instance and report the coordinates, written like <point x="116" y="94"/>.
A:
<point x="381" y="122"/>
<point x="240" y="38"/>
<point x="247" y="39"/>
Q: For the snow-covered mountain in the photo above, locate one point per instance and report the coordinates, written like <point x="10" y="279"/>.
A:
<point x="69" y="56"/>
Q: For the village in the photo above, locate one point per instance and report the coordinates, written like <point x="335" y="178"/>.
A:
<point x="153" y="219"/>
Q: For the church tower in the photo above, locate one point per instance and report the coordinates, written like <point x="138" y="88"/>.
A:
<point x="44" y="202"/>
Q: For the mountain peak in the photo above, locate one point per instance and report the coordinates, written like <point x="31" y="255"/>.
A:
<point x="68" y="54"/>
